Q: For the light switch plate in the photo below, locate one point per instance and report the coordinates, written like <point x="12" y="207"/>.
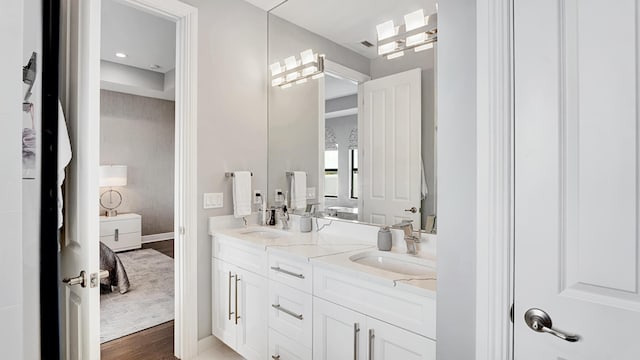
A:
<point x="311" y="193"/>
<point x="278" y="195"/>
<point x="213" y="200"/>
<point x="257" y="197"/>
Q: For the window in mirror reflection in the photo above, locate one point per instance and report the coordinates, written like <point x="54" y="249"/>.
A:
<point x="331" y="173"/>
<point x="353" y="181"/>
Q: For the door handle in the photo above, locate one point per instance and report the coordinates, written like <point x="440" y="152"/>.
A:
<point x="412" y="210"/>
<point x="78" y="280"/>
<point x="539" y="321"/>
<point x="97" y="276"/>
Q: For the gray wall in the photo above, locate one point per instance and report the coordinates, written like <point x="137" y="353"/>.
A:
<point x="11" y="296"/>
<point x="232" y="115"/>
<point x="457" y="180"/>
<point x="342" y="126"/>
<point x="139" y="132"/>
<point x="426" y="60"/>
<point x="293" y="112"/>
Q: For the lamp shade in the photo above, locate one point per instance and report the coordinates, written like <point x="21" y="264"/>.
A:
<point x="113" y="175"/>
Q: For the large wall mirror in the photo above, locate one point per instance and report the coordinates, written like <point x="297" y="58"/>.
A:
<point x="356" y="115"/>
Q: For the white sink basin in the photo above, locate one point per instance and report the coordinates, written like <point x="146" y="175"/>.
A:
<point x="264" y="233"/>
<point x="397" y="263"/>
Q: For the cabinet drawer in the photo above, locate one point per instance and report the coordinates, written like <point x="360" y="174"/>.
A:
<point x="405" y="310"/>
<point x="123" y="226"/>
<point x="283" y="348"/>
<point x="245" y="257"/>
<point x="294" y="273"/>
<point x="291" y="313"/>
<point x="125" y="241"/>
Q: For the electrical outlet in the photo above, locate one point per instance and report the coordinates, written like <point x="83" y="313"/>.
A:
<point x="257" y="197"/>
<point x="311" y="193"/>
<point x="213" y="200"/>
<point x="279" y="195"/>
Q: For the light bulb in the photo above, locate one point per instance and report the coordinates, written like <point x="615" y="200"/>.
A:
<point x="414" y="20"/>
<point x="395" y="55"/>
<point x="416" y="39"/>
<point x="276" y="68"/>
<point x="307" y="56"/>
<point x="291" y="62"/>
<point x="424" y="47"/>
<point x="387" y="48"/>
<point x="386" y="30"/>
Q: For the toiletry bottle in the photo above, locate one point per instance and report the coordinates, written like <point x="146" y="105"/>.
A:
<point x="263" y="211"/>
<point x="305" y="223"/>
<point x="384" y="239"/>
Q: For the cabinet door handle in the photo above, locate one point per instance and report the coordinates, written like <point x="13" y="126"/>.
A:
<point x="230" y="312"/>
<point x="278" y="269"/>
<point x="237" y="311"/>
<point x="356" y="330"/>
<point x="116" y="235"/>
<point x="372" y="335"/>
<point x="288" y="312"/>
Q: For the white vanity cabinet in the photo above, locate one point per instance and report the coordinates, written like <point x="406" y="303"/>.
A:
<point x="341" y="333"/>
<point x="239" y="315"/>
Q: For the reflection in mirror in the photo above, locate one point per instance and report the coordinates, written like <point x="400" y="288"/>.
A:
<point x="354" y="118"/>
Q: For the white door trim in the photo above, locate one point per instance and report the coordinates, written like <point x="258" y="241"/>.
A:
<point x="186" y="207"/>
<point x="495" y="239"/>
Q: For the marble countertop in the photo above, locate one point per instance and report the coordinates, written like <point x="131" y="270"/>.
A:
<point x="332" y="250"/>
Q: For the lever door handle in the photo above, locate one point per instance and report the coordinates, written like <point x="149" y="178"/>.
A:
<point x="78" y="280"/>
<point x="539" y="321"/>
<point x="412" y="210"/>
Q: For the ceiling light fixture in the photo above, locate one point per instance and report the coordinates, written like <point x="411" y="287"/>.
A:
<point x="297" y="71"/>
<point x="121" y="55"/>
<point x="418" y="33"/>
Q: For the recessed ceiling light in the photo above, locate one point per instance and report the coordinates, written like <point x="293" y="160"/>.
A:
<point x="121" y="55"/>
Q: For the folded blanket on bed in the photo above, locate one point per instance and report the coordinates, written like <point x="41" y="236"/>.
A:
<point x="110" y="261"/>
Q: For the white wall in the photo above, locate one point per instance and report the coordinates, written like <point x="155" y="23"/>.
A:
<point x="11" y="253"/>
<point x="232" y="115"/>
<point x="456" y="179"/>
<point x="139" y="132"/>
<point x="136" y="81"/>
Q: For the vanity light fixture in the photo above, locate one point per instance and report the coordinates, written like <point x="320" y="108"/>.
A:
<point x="121" y="55"/>
<point x="297" y="71"/>
<point x="418" y="33"/>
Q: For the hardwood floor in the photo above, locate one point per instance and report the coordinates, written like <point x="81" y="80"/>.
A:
<point x="155" y="343"/>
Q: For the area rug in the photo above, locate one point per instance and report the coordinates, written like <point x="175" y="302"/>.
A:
<point x="150" y="300"/>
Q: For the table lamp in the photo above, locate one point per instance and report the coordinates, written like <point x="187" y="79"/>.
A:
<point x="110" y="176"/>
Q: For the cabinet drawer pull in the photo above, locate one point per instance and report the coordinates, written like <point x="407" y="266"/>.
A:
<point x="288" y="312"/>
<point x="275" y="357"/>
<point x="278" y="269"/>
<point x="230" y="312"/>
<point x="237" y="311"/>
<point x="372" y="335"/>
<point x="356" y="330"/>
<point x="116" y="235"/>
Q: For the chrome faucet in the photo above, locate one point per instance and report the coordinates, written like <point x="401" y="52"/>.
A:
<point x="284" y="217"/>
<point x="409" y="238"/>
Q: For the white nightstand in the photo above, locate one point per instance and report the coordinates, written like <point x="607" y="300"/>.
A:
<point x="122" y="232"/>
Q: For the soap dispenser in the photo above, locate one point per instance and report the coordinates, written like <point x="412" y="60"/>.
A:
<point x="384" y="239"/>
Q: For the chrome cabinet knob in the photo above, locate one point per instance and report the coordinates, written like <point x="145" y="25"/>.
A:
<point x="539" y="321"/>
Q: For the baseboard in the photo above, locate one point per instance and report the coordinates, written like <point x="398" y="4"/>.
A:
<point x="157" y="237"/>
<point x="206" y="343"/>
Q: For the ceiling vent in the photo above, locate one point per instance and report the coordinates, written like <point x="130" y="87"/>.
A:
<point x="366" y="44"/>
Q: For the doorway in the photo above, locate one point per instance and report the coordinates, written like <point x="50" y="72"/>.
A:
<point x="137" y="188"/>
<point x="80" y="251"/>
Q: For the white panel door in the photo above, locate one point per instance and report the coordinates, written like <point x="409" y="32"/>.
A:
<point x="388" y="342"/>
<point x="80" y="250"/>
<point x="252" y="314"/>
<point x="338" y="333"/>
<point x="224" y="301"/>
<point x="577" y="177"/>
<point x="391" y="163"/>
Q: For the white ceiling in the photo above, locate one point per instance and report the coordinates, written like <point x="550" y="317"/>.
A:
<point x="145" y="38"/>
<point x="266" y="5"/>
<point x="335" y="87"/>
<point x="347" y="22"/>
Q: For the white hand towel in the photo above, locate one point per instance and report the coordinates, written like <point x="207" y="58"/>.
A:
<point x="299" y="190"/>
<point x="241" y="193"/>
<point x="64" y="158"/>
